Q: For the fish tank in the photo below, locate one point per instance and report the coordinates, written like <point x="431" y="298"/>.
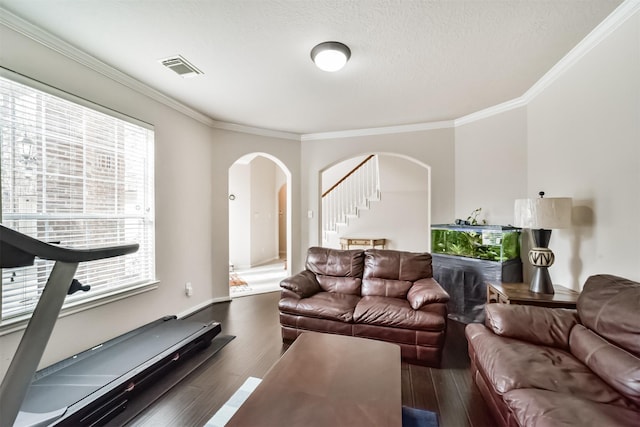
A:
<point x="488" y="242"/>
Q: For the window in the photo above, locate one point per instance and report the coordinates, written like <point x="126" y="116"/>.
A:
<point x="75" y="174"/>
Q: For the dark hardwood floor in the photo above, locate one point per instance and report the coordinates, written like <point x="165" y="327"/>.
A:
<point x="254" y="321"/>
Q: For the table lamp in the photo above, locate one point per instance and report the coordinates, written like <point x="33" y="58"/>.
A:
<point x="542" y="215"/>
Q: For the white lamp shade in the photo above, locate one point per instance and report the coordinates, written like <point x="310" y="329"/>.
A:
<point x="543" y="213"/>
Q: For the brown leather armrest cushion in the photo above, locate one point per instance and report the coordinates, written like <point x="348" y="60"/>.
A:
<point x="538" y="325"/>
<point x="426" y="291"/>
<point x="304" y="284"/>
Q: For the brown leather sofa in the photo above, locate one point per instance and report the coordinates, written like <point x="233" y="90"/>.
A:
<point x="379" y="294"/>
<point x="539" y="366"/>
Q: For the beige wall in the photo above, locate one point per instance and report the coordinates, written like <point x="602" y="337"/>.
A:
<point x="433" y="148"/>
<point x="264" y="211"/>
<point x="240" y="215"/>
<point x="404" y="197"/>
<point x="230" y="146"/>
<point x="491" y="165"/>
<point x="584" y="142"/>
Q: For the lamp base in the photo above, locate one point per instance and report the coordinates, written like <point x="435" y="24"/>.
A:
<point x="541" y="257"/>
<point x="541" y="281"/>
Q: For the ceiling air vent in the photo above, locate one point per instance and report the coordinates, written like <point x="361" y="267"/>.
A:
<point x="181" y="66"/>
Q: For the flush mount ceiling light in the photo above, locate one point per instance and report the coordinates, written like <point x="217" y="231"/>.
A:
<point x="330" y="56"/>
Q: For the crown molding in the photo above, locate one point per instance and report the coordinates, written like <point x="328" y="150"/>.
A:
<point x="417" y="127"/>
<point x="491" y="111"/>
<point x="603" y="30"/>
<point x="623" y="12"/>
<point x="62" y="47"/>
<point x="255" y="131"/>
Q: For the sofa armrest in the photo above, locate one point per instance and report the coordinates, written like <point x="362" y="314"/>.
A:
<point x="538" y="325"/>
<point x="426" y="291"/>
<point x="304" y="284"/>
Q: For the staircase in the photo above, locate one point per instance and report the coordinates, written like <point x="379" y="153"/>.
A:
<point x="353" y="193"/>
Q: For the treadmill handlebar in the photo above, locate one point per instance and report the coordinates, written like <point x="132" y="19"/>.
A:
<point x="19" y="250"/>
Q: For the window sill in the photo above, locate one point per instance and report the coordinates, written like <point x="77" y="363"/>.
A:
<point x="19" y="323"/>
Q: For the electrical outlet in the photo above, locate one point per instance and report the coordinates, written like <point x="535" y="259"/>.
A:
<point x="188" y="289"/>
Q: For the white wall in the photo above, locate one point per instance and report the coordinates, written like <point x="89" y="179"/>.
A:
<point x="584" y="142"/>
<point x="404" y="195"/>
<point x="228" y="148"/>
<point x="433" y="148"/>
<point x="264" y="211"/>
<point x="253" y="214"/>
<point x="240" y="215"/>
<point x="491" y="165"/>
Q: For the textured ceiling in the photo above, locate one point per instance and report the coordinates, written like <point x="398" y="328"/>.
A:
<point x="412" y="61"/>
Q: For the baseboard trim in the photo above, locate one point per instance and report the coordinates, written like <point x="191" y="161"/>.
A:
<point x="193" y="310"/>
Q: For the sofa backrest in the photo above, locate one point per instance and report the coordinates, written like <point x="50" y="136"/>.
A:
<point x="337" y="270"/>
<point x="610" y="306"/>
<point x="608" y="341"/>
<point x="391" y="273"/>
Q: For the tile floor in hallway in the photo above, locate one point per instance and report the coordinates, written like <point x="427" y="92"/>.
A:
<point x="259" y="279"/>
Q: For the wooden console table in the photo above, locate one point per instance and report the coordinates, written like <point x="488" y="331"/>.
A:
<point x="519" y="293"/>
<point x="346" y="242"/>
<point x="328" y="380"/>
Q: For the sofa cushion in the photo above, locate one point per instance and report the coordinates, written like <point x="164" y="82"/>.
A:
<point x="385" y="288"/>
<point x="334" y="262"/>
<point x="323" y="305"/>
<point x="617" y="367"/>
<point x="545" y="408"/>
<point x="395" y="312"/>
<point x="509" y="364"/>
<point x="396" y="265"/>
<point x="342" y="285"/>
<point x="609" y="305"/>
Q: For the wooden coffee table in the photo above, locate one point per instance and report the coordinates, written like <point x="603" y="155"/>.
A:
<point x="328" y="380"/>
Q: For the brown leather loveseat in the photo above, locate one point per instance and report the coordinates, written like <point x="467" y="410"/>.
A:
<point x="540" y="366"/>
<point x="379" y="294"/>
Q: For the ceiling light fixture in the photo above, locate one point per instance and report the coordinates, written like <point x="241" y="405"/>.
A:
<point x="330" y="56"/>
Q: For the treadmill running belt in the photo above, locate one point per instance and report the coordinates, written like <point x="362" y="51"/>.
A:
<point x="78" y="380"/>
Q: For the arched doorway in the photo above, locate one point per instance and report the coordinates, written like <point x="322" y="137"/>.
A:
<point x="257" y="260"/>
<point x="403" y="197"/>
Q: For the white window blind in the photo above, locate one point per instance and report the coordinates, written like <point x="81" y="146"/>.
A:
<point x="79" y="177"/>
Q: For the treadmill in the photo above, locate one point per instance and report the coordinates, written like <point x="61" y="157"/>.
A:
<point x="92" y="387"/>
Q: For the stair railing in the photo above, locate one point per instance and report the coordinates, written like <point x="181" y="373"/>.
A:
<point x="352" y="193"/>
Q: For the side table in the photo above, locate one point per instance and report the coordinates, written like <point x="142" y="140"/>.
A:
<point x="347" y="242"/>
<point x="519" y="293"/>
